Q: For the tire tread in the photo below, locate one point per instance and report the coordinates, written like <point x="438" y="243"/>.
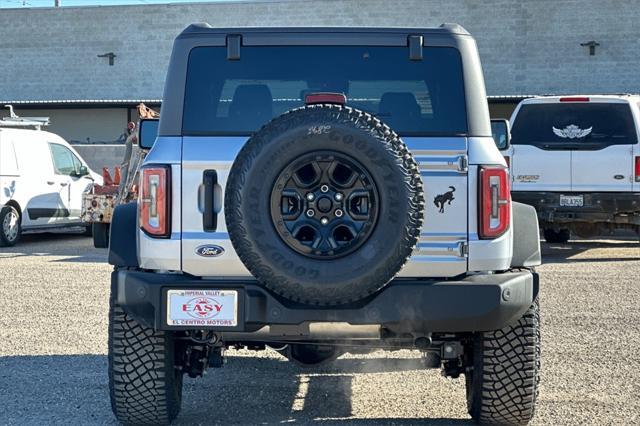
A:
<point x="142" y="384"/>
<point x="507" y="374"/>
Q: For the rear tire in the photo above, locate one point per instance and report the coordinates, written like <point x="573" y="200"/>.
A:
<point x="10" y="226"/>
<point x="558" y="237"/>
<point x="144" y="385"/>
<point x="100" y="233"/>
<point x="503" y="386"/>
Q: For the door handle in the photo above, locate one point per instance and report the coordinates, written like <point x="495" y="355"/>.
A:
<point x="63" y="184"/>
<point x="50" y="182"/>
<point x="209" y="215"/>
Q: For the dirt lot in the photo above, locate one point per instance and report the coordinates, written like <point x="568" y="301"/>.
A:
<point x="53" y="344"/>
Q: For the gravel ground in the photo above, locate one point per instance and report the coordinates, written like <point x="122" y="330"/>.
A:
<point x="53" y="344"/>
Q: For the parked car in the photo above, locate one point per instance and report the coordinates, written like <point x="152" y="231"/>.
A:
<point x="320" y="190"/>
<point x="42" y="179"/>
<point x="576" y="159"/>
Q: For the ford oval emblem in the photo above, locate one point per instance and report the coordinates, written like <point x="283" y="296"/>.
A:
<point x="619" y="177"/>
<point x="209" y="250"/>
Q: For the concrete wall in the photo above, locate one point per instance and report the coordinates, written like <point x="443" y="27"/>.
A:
<point x="526" y="46"/>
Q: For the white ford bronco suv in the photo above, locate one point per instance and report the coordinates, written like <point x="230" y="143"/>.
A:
<point x="321" y="190"/>
<point x="576" y="159"/>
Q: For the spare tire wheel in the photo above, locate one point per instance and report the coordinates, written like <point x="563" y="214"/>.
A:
<point x="324" y="205"/>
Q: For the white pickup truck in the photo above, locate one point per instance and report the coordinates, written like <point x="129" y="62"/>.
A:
<point x="576" y="159"/>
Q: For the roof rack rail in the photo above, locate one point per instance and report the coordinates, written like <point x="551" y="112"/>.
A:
<point x="15" y="121"/>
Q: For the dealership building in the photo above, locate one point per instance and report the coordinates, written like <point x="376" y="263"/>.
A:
<point x="87" y="67"/>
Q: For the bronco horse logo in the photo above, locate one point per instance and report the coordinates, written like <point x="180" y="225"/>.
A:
<point x="441" y="199"/>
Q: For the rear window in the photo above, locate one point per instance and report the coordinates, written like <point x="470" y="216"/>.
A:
<point x="574" y="125"/>
<point x="237" y="97"/>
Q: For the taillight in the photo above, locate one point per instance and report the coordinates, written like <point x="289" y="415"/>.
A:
<point x="495" y="202"/>
<point x="154" y="201"/>
<point x="325" y="98"/>
<point x="637" y="169"/>
<point x="574" y="99"/>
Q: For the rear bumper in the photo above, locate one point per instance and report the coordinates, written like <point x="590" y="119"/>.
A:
<point x="474" y="303"/>
<point x="616" y="207"/>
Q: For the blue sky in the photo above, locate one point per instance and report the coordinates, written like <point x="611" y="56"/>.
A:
<point x="50" y="3"/>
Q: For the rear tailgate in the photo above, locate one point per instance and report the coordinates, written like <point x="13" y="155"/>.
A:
<point x="441" y="248"/>
<point x="573" y="146"/>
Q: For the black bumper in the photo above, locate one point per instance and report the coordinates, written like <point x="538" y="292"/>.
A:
<point x="618" y="207"/>
<point x="475" y="303"/>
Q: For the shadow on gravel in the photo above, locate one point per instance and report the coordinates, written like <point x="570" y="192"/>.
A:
<point x="73" y="389"/>
<point x="64" y="389"/>
<point x="75" y="247"/>
<point x="272" y="391"/>
<point x="565" y="253"/>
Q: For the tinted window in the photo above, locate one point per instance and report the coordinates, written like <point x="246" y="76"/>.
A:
<point x="237" y="97"/>
<point x="64" y="162"/>
<point x="574" y="125"/>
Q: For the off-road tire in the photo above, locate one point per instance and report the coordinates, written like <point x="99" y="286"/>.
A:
<point x="5" y="240"/>
<point x="144" y="385"/>
<point x="556" y="237"/>
<point x="100" y="232"/>
<point x="309" y="280"/>
<point x="503" y="385"/>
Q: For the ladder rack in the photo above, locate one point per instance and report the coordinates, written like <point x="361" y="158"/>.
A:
<point x="15" y="121"/>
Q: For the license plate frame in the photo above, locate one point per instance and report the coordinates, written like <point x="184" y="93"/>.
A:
<point x="202" y="308"/>
<point x="571" y="200"/>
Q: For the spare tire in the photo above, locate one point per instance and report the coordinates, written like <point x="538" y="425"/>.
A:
<point x="324" y="205"/>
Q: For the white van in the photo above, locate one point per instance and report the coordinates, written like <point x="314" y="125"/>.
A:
<point x="576" y="159"/>
<point x="42" y="179"/>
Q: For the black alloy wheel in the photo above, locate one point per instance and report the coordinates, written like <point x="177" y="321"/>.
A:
<point x="324" y="205"/>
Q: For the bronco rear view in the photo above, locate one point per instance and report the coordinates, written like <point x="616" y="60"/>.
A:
<point x="319" y="191"/>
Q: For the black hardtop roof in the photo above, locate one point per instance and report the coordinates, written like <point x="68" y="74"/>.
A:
<point x="204" y="28"/>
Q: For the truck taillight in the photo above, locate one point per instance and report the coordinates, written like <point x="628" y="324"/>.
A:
<point x="154" y="201"/>
<point x="495" y="202"/>
<point x="574" y="99"/>
<point x="637" y="169"/>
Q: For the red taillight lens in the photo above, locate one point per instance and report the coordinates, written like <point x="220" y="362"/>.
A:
<point x="574" y="99"/>
<point x="637" y="169"/>
<point x="325" y="98"/>
<point x="495" y="202"/>
<point x="154" y="201"/>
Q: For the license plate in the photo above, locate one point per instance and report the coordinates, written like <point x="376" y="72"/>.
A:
<point x="202" y="308"/>
<point x="571" y="200"/>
